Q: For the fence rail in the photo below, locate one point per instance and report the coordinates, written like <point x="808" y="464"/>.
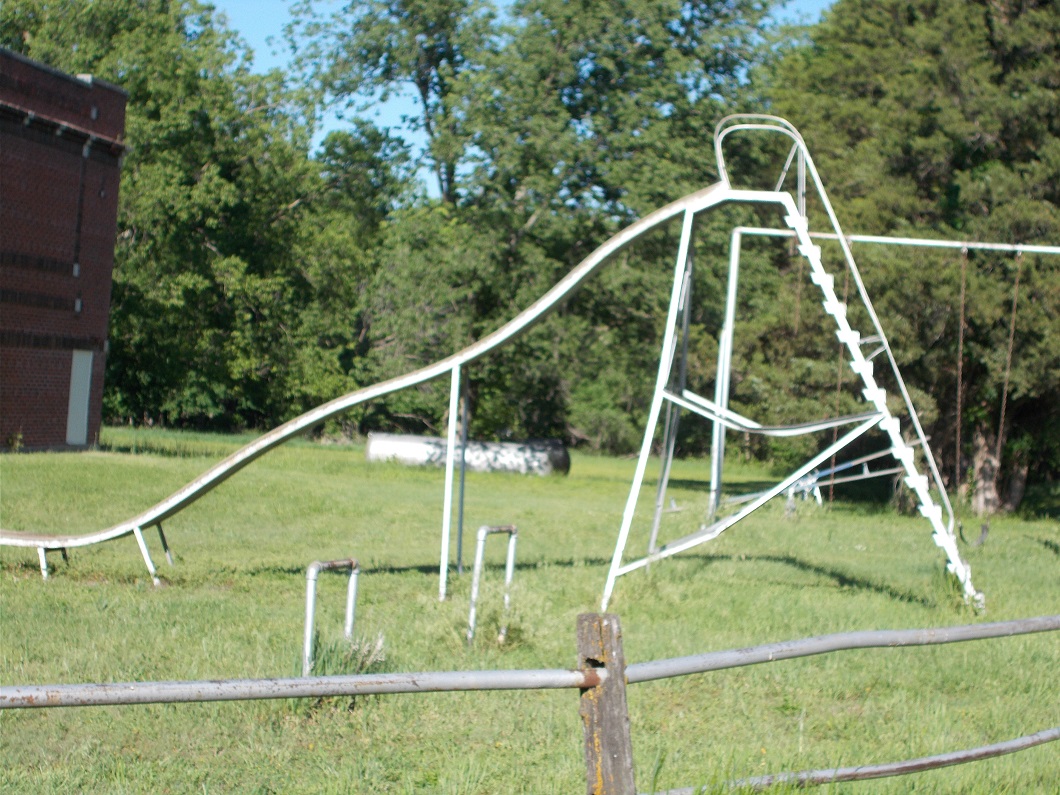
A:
<point x="865" y="772"/>
<point x="120" y="693"/>
<point x="605" y="718"/>
<point x="807" y="647"/>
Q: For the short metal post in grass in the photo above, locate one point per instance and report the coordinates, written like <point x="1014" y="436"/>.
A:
<point x="605" y="717"/>
<point x="311" y="574"/>
<point x="509" y="572"/>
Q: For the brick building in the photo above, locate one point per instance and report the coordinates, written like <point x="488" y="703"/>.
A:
<point x="60" y="157"/>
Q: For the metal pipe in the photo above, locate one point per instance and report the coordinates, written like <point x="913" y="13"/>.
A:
<point x="661" y="380"/>
<point x="311" y="574"/>
<point x="138" y="533"/>
<point x="89" y="695"/>
<point x="351" y="600"/>
<point x="165" y="544"/>
<point x="865" y="772"/>
<point x="807" y="647"/>
<point x="925" y="242"/>
<point x="673" y="414"/>
<point x="722" y="379"/>
<point x="463" y="476"/>
<point x="71" y="695"/>
<point x="705" y="408"/>
<point x="509" y="574"/>
<point x="310" y="616"/>
<point x="447" y="502"/>
<point x="476" y="577"/>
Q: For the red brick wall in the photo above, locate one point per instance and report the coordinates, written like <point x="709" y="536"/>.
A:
<point x="59" y="169"/>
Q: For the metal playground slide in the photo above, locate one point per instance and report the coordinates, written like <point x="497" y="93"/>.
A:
<point x="670" y="393"/>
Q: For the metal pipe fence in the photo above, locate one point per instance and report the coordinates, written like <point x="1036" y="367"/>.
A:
<point x="121" y="693"/>
<point x="807" y="647"/>
<point x="864" y="772"/>
<point x="609" y="762"/>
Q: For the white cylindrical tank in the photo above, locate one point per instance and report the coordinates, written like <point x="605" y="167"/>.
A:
<point x="536" y="456"/>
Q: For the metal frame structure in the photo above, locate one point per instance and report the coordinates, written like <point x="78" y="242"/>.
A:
<point x="669" y="391"/>
<point x="813" y="481"/>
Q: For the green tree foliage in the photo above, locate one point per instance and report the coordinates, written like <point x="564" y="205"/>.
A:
<point x="942" y="119"/>
<point x="371" y="50"/>
<point x="239" y="261"/>
<point x="549" y="126"/>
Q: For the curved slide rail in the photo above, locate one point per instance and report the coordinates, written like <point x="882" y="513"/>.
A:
<point x="181" y="499"/>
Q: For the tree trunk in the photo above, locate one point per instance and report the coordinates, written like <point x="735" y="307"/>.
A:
<point x="985" y="499"/>
<point x="1017" y="485"/>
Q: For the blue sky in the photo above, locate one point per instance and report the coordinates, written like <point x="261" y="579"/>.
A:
<point x="260" y="23"/>
<point x="259" y="20"/>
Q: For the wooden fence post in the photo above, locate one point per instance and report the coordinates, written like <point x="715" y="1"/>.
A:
<point x="605" y="718"/>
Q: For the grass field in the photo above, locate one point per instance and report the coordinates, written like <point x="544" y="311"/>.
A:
<point x="233" y="606"/>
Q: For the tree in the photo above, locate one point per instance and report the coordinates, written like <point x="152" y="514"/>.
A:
<point x="942" y="118"/>
<point x="373" y="49"/>
<point x="549" y="126"/>
<point x="363" y="176"/>
<point x="235" y="252"/>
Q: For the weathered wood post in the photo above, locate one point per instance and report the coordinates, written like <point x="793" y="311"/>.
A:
<point x="605" y="717"/>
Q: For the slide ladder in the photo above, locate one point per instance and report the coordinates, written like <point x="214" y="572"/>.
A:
<point x="671" y="392"/>
<point x="863" y="366"/>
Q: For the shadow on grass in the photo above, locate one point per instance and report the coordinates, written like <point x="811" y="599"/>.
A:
<point x="469" y="566"/>
<point x="169" y="449"/>
<point x="731" y="488"/>
<point x="1049" y="544"/>
<point x="432" y="568"/>
<point x="841" y="578"/>
<point x="1042" y="500"/>
<point x="846" y="580"/>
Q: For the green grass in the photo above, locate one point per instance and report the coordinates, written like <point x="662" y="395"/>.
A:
<point x="233" y="606"/>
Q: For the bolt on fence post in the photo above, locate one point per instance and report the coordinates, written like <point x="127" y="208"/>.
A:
<point x="605" y="717"/>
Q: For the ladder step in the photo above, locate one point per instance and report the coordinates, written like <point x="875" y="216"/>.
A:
<point x="849" y="337"/>
<point x="932" y="512"/>
<point x="904" y="455"/>
<point x="876" y="395"/>
<point x="835" y="308"/>
<point x="797" y="222"/>
<point x="891" y="425"/>
<point x="811" y="252"/>
<point x="823" y="280"/>
<point x="862" y="367"/>
<point x="918" y="483"/>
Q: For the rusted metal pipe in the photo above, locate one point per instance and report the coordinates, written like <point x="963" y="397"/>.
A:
<point x="87" y="695"/>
